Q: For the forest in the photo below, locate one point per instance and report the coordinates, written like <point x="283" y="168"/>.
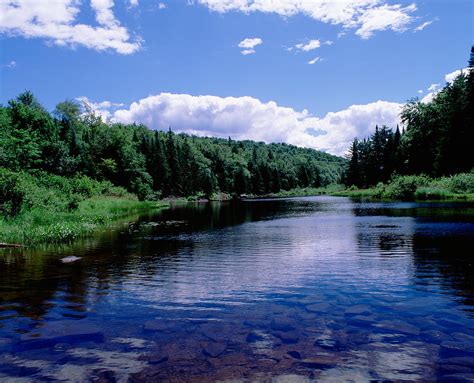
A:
<point x="436" y="140"/>
<point x="74" y="141"/>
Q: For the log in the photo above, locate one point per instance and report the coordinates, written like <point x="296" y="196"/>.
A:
<point x="3" y="245"/>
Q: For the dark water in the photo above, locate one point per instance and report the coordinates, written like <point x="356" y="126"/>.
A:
<point x="300" y="289"/>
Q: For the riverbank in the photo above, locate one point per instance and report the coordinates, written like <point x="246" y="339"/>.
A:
<point x="43" y="208"/>
<point x="93" y="214"/>
<point x="458" y="187"/>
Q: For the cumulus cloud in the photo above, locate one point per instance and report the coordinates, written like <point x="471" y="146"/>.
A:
<point x="56" y="21"/>
<point x="365" y="16"/>
<point x="104" y="109"/>
<point x="314" y="61"/>
<point x="161" y="5"/>
<point x="249" y="118"/>
<point x="433" y="89"/>
<point x="248" y="45"/>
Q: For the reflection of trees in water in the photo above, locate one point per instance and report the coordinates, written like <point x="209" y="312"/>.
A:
<point x="31" y="280"/>
<point x="450" y="256"/>
<point x="440" y="238"/>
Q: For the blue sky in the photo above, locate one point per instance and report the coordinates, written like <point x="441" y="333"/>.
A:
<point x="368" y="56"/>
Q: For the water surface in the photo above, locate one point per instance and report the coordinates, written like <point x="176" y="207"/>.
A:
<point x="318" y="288"/>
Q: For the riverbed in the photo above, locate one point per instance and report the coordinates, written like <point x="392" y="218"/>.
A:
<point x="297" y="289"/>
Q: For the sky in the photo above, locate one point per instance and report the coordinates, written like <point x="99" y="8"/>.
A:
<point x="312" y="73"/>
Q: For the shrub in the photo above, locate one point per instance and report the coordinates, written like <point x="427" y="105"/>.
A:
<point x="12" y="193"/>
<point x="404" y="187"/>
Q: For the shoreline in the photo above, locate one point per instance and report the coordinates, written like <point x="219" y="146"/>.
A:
<point x="38" y="227"/>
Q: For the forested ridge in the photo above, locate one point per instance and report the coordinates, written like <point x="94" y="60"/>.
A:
<point x="74" y="141"/>
<point x="436" y="140"/>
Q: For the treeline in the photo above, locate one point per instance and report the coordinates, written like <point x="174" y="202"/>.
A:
<point x="437" y="140"/>
<point x="72" y="141"/>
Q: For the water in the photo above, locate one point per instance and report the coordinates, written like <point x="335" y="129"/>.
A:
<point x="301" y="289"/>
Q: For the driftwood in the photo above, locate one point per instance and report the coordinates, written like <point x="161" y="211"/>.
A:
<point x="11" y="245"/>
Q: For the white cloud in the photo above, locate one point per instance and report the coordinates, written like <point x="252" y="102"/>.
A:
<point x="450" y="77"/>
<point x="249" y="118"/>
<point x="419" y="91"/>
<point x="56" y="21"/>
<point x="424" y="25"/>
<point x="365" y="16"/>
<point x="161" y="5"/>
<point x="433" y="89"/>
<point x="104" y="109"/>
<point x="10" y="65"/>
<point x="384" y="17"/>
<point x="309" y="46"/>
<point x="133" y="3"/>
<point x="248" y="45"/>
<point x="314" y="61"/>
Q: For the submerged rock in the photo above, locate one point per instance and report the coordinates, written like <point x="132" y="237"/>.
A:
<point x="214" y="349"/>
<point x="156" y="325"/>
<point x="281" y="325"/>
<point x="358" y="310"/>
<point x="63" y="332"/>
<point x="400" y="327"/>
<point x="321" y="361"/>
<point x="289" y="337"/>
<point x="70" y="259"/>
<point x="294" y="354"/>
<point x="318" y="307"/>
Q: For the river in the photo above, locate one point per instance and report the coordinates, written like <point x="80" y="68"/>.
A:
<point x="299" y="289"/>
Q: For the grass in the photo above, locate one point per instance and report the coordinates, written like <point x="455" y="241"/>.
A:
<point x="459" y="187"/>
<point x="41" y="226"/>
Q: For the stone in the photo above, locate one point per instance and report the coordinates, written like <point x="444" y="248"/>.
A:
<point x="70" y="259"/>
<point x="64" y="331"/>
<point x="399" y="327"/>
<point x="252" y="338"/>
<point x="214" y="349"/>
<point x="358" y="310"/>
<point x="281" y="325"/>
<point x="318" y="307"/>
<point x="289" y="337"/>
<point x="294" y="354"/>
<point x="156" y="325"/>
<point x="364" y="320"/>
<point x="321" y="361"/>
<point x="329" y="344"/>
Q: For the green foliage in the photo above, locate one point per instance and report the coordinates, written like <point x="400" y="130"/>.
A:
<point x="437" y="141"/>
<point x="404" y="187"/>
<point x="74" y="143"/>
<point x="459" y="186"/>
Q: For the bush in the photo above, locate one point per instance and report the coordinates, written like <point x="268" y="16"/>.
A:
<point x="461" y="183"/>
<point x="404" y="187"/>
<point x="12" y="193"/>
